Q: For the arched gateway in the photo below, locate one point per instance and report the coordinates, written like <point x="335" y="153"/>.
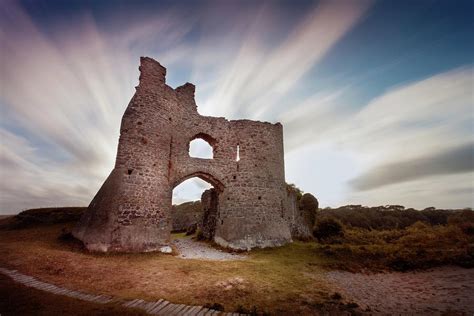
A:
<point x="131" y="211"/>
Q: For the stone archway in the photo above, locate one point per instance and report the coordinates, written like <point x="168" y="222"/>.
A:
<point x="131" y="211"/>
<point x="209" y="178"/>
<point x="210" y="215"/>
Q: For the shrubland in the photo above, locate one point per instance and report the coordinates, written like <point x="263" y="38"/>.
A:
<point x="393" y="238"/>
<point x="352" y="237"/>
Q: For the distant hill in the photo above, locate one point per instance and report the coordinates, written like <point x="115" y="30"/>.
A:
<point x="186" y="214"/>
<point x="41" y="216"/>
<point x="182" y="216"/>
<point x="392" y="216"/>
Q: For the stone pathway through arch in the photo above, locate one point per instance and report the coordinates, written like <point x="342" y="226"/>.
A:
<point x="160" y="307"/>
<point x="188" y="248"/>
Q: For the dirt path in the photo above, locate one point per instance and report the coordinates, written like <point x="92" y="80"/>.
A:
<point x="191" y="249"/>
<point x="429" y="292"/>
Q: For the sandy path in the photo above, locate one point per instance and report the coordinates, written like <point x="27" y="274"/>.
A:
<point x="428" y="293"/>
<point x="191" y="249"/>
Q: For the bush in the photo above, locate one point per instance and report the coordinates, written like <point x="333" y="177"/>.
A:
<point x="200" y="234"/>
<point x="418" y="246"/>
<point x="327" y="228"/>
<point x="467" y="228"/>
<point x="394" y="216"/>
<point x="336" y="296"/>
<point x="215" y="306"/>
<point x="252" y="312"/>
<point x="293" y="188"/>
<point x="309" y="202"/>
<point x="191" y="230"/>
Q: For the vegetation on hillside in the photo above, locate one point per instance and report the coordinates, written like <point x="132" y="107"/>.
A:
<point x="380" y="238"/>
<point x="42" y="216"/>
<point x="392" y="216"/>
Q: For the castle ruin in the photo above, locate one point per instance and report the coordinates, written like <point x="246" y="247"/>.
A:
<point x="131" y="211"/>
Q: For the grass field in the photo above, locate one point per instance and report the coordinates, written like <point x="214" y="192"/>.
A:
<point x="273" y="281"/>
<point x="278" y="281"/>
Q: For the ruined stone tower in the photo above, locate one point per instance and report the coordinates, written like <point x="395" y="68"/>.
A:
<point x="131" y="211"/>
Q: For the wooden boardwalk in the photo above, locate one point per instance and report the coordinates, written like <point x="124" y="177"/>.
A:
<point x="160" y="307"/>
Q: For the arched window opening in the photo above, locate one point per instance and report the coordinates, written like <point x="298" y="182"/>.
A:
<point x="200" y="148"/>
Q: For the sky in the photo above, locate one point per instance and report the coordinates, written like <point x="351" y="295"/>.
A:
<point x="375" y="97"/>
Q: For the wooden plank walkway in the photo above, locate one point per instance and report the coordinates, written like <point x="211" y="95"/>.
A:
<point x="161" y="307"/>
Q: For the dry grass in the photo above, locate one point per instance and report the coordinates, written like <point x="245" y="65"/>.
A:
<point x="286" y="280"/>
<point x="419" y="246"/>
<point x="277" y="281"/>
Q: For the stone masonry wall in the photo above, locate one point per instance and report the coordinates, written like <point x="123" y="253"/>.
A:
<point x="210" y="215"/>
<point x="131" y="211"/>
<point x="299" y="220"/>
<point x="185" y="215"/>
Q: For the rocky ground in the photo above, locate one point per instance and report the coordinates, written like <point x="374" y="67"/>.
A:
<point x="191" y="249"/>
<point x="430" y="292"/>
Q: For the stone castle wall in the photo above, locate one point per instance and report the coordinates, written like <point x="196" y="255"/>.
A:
<point x="299" y="219"/>
<point x="131" y="211"/>
<point x="185" y="215"/>
<point x="210" y="213"/>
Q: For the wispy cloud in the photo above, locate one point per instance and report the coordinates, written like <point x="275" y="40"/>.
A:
<point x="315" y="118"/>
<point x="414" y="133"/>
<point x="443" y="191"/>
<point x="415" y="118"/>
<point x="31" y="180"/>
<point x="64" y="89"/>
<point x="455" y="160"/>
<point x="62" y="97"/>
<point x="262" y="75"/>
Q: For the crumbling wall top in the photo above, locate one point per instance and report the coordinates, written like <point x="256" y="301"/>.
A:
<point x="151" y="72"/>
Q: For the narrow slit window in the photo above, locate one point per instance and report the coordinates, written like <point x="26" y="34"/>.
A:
<point x="237" y="157"/>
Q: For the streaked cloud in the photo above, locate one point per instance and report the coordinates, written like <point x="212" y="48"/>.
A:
<point x="414" y="132"/>
<point x="413" y="118"/>
<point x="442" y="191"/>
<point x="30" y="179"/>
<point x="65" y="85"/>
<point x="260" y="76"/>
<point x="455" y="160"/>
